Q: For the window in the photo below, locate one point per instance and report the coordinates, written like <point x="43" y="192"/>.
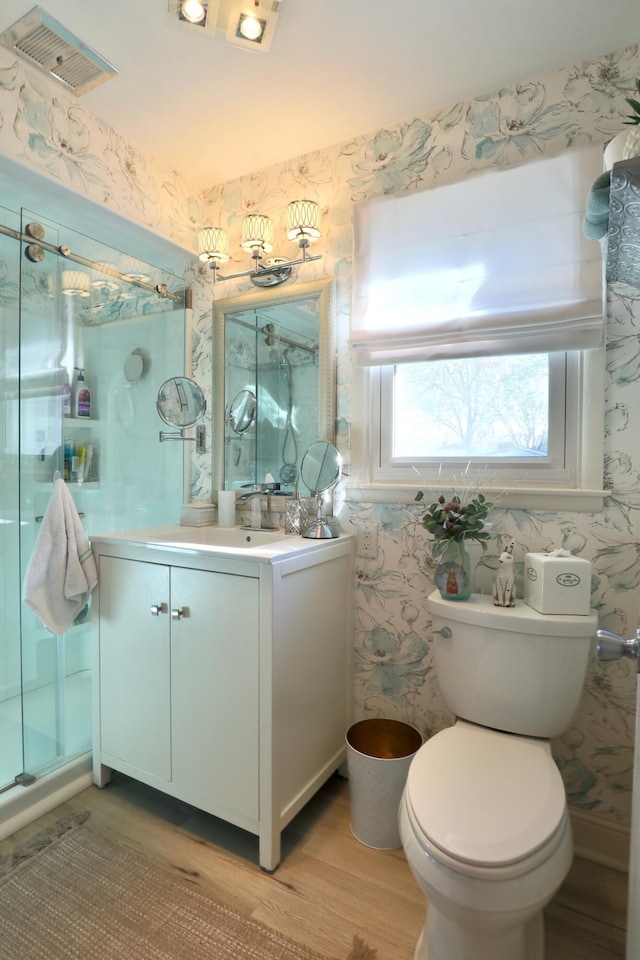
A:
<point x="477" y="317"/>
<point x="507" y="416"/>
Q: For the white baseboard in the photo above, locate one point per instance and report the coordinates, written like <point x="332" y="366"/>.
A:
<point x="604" y="841"/>
<point x="22" y="805"/>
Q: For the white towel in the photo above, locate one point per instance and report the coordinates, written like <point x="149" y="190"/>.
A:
<point x="61" y="572"/>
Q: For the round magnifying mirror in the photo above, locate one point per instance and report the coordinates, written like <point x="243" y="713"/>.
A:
<point x="242" y="411"/>
<point x="181" y="402"/>
<point x="320" y="470"/>
<point x="320" y="467"/>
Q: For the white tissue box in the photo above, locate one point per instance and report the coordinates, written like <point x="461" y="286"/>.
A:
<point x="197" y="514"/>
<point x="555" y="584"/>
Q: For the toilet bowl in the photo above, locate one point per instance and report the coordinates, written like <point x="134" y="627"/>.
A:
<point x="485" y="829"/>
<point x="483" y="818"/>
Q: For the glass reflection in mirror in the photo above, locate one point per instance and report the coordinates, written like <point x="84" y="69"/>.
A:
<point x="242" y="411"/>
<point x="274" y="353"/>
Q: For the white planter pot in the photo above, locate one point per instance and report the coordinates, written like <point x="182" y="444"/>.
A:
<point x="624" y="145"/>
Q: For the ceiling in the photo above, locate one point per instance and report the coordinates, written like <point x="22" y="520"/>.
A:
<point x="336" y="69"/>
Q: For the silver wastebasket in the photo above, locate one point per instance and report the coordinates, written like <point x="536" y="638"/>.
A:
<point x="379" y="752"/>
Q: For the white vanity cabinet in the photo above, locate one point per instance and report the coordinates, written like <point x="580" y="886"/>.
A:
<point x="224" y="682"/>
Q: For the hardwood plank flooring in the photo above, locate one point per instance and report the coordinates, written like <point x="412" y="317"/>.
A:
<point x="329" y="888"/>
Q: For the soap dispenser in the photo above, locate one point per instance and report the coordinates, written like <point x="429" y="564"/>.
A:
<point x="81" y="396"/>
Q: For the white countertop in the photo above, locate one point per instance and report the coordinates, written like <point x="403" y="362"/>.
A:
<point x="235" y="543"/>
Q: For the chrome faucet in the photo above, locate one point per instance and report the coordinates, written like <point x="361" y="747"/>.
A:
<point x="258" y="490"/>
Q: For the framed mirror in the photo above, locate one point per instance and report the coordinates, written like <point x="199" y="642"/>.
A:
<point x="278" y="347"/>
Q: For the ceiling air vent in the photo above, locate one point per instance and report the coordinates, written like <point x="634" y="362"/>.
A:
<point x="46" y="44"/>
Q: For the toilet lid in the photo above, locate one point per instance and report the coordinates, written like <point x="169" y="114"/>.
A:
<point x="485" y="797"/>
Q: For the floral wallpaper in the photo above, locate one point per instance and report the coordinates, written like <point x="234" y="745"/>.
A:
<point x="395" y="674"/>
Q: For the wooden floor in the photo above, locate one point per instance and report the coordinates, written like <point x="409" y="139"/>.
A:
<point x="329" y="888"/>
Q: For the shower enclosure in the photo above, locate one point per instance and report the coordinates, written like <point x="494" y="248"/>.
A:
<point x="271" y="389"/>
<point x="69" y="302"/>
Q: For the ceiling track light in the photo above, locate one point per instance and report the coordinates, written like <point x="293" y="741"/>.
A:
<point x="194" y="11"/>
<point x="303" y="227"/>
<point x="249" y="24"/>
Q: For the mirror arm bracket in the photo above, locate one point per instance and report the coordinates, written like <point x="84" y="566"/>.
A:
<point x="199" y="439"/>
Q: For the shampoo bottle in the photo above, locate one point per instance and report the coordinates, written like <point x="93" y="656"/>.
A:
<point x="81" y="396"/>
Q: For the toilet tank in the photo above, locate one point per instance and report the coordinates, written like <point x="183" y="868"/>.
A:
<point x="510" y="668"/>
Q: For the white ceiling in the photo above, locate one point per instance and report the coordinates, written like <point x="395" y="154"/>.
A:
<point x="336" y="69"/>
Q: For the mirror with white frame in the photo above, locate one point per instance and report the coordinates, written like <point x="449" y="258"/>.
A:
<point x="278" y="346"/>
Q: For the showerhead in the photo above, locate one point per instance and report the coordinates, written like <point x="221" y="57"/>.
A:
<point x="285" y="367"/>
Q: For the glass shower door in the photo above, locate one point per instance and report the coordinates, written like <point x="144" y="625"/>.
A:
<point x="11" y="760"/>
<point x="91" y="311"/>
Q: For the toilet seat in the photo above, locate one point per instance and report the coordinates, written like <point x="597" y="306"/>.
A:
<point x="479" y="799"/>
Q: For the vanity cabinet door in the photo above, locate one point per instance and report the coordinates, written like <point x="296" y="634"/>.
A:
<point x="135" y="664"/>
<point x="214" y="692"/>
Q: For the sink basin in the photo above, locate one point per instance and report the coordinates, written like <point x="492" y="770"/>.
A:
<point x="219" y="537"/>
<point x="231" y="543"/>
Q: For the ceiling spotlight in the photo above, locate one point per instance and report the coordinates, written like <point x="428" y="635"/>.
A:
<point x="251" y="23"/>
<point x="250" y="27"/>
<point x="193" y="10"/>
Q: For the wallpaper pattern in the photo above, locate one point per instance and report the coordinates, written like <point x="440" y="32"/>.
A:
<point x="395" y="673"/>
<point x="394" y="670"/>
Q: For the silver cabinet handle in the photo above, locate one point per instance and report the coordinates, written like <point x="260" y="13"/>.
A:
<point x="156" y="609"/>
<point x="177" y="613"/>
<point x="611" y="646"/>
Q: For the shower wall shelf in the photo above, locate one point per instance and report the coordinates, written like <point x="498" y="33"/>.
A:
<point x="75" y="427"/>
<point x="623" y="237"/>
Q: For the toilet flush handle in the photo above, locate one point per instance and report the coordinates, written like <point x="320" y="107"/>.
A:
<point x="611" y="646"/>
<point x="445" y="633"/>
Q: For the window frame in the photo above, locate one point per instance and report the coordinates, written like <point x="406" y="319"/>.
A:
<point x="558" y="465"/>
<point x="579" y="490"/>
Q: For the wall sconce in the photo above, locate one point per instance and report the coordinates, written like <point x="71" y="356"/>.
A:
<point x="76" y="283"/>
<point x="303" y="227"/>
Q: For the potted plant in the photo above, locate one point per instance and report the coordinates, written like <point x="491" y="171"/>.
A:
<point x="451" y="523"/>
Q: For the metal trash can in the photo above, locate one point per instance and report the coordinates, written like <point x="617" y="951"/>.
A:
<point x="379" y="752"/>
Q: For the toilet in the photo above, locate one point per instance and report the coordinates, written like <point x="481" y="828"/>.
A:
<point x="483" y="817"/>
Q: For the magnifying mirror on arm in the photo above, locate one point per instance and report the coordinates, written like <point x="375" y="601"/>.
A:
<point x="181" y="403"/>
<point x="320" y="471"/>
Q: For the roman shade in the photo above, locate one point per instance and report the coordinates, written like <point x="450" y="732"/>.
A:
<point x="494" y="264"/>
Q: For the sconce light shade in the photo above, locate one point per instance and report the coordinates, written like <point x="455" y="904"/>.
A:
<point x="136" y="269"/>
<point x="257" y="231"/>
<point x="76" y="283"/>
<point x="303" y="220"/>
<point x="213" y="244"/>
<point x="106" y="279"/>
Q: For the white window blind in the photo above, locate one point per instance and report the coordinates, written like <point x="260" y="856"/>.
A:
<point x="493" y="264"/>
